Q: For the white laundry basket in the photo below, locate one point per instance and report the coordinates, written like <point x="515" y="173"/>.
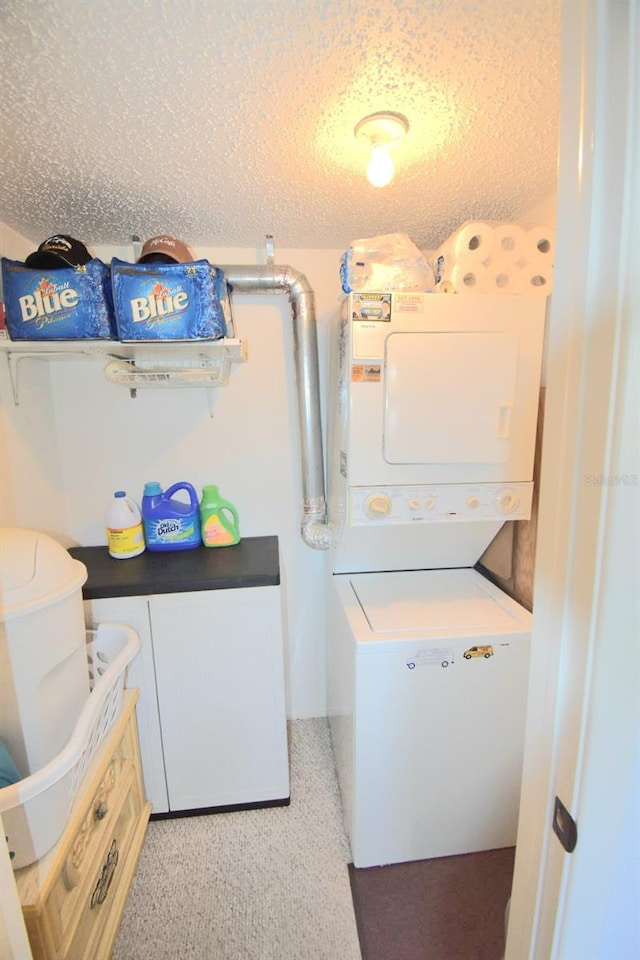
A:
<point x="36" y="809"/>
<point x="43" y="671"/>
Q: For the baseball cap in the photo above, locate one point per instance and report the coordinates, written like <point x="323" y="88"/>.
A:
<point x="175" y="250"/>
<point x="58" y="251"/>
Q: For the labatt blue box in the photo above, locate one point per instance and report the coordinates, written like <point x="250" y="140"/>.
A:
<point x="71" y="303"/>
<point x="169" y="301"/>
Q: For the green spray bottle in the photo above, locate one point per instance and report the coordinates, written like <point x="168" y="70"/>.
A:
<point x="218" y="519"/>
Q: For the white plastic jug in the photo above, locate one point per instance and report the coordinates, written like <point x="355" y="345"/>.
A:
<point x="125" y="536"/>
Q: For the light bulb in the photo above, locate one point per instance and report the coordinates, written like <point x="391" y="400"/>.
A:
<point x="381" y="131"/>
<point x="381" y="169"/>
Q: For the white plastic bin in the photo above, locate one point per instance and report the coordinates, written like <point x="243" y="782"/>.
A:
<point x="44" y="683"/>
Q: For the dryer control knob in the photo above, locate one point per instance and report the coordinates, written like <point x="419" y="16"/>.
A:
<point x="507" y="501"/>
<point x="430" y="502"/>
<point x="414" y="504"/>
<point x="378" y="506"/>
<point x="473" y="503"/>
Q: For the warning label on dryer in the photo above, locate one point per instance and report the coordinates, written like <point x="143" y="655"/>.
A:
<point x="363" y="373"/>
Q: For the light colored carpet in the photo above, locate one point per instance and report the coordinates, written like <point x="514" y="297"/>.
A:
<point x="265" y="884"/>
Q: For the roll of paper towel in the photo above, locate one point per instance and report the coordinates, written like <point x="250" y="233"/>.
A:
<point x="539" y="247"/>
<point x="466" y="278"/>
<point x="470" y="245"/>
<point x="537" y="283"/>
<point x="496" y="257"/>
<point x="509" y="242"/>
<point x="505" y="277"/>
<point x="473" y="241"/>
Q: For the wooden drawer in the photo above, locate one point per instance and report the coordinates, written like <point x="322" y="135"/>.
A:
<point x="72" y="899"/>
<point x="105" y="879"/>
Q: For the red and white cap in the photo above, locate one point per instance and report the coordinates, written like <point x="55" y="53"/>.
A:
<point x="175" y="249"/>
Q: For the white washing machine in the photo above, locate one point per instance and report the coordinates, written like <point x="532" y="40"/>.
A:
<point x="431" y="450"/>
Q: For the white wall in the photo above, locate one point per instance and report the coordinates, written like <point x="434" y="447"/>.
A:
<point x="543" y="214"/>
<point x="13" y="244"/>
<point x="29" y="459"/>
<point x="75" y="438"/>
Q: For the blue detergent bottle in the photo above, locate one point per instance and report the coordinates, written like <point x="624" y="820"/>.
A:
<point x="170" y="523"/>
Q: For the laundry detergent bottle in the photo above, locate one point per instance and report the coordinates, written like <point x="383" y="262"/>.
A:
<point x="169" y="522"/>
<point x="125" y="536"/>
<point x="218" y="519"/>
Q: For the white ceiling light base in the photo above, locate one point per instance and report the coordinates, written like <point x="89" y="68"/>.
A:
<point x="382" y="131"/>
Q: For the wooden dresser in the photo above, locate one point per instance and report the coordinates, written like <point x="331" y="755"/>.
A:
<point x="73" y="898"/>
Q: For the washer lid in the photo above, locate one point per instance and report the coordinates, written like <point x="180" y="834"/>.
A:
<point x="434" y="601"/>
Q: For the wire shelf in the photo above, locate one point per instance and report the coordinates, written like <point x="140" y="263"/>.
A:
<point x="179" y="373"/>
<point x="141" y="364"/>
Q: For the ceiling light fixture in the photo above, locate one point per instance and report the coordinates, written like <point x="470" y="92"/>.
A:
<point x="382" y="131"/>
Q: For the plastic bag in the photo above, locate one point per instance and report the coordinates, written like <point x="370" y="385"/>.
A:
<point x="388" y="262"/>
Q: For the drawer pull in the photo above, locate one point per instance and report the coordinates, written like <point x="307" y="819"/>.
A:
<point x="106" y="876"/>
<point x="101" y="811"/>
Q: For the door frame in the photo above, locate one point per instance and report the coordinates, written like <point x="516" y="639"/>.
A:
<point x="589" y="435"/>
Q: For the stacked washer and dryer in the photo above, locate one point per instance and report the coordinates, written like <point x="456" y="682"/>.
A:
<point x="432" y="437"/>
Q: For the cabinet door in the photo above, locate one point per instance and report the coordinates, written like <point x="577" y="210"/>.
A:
<point x="219" y="671"/>
<point x="134" y="612"/>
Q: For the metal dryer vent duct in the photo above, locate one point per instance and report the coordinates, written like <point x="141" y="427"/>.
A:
<point x="269" y="278"/>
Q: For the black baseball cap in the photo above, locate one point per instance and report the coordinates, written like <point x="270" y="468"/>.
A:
<point x="58" y="251"/>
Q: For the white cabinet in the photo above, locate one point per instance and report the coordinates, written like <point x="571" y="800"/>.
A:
<point x="211" y="714"/>
<point x="219" y="675"/>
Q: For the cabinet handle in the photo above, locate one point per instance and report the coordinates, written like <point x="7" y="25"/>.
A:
<point x="101" y="811"/>
<point x="106" y="876"/>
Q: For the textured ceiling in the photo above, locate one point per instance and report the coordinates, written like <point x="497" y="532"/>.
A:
<point x="222" y="120"/>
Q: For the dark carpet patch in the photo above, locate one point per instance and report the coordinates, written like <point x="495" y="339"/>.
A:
<point x="452" y="908"/>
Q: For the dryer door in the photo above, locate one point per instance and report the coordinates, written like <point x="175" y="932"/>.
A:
<point x="449" y="397"/>
<point x="444" y="391"/>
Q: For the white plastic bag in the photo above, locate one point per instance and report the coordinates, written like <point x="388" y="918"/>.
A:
<point x="388" y="262"/>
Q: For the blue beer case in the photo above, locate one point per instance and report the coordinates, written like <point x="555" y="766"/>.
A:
<point x="123" y="301"/>
<point x="71" y="303"/>
<point x="169" y="301"/>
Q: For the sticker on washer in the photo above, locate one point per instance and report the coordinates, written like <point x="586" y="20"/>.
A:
<point x="409" y="303"/>
<point x="485" y="651"/>
<point x="438" y="657"/>
<point x="371" y="306"/>
<point x="365" y="373"/>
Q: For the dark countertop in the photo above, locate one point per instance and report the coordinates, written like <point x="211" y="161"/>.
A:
<point x="253" y="562"/>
